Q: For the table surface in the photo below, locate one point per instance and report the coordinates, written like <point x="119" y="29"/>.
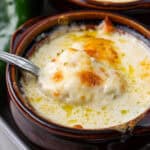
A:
<point x="11" y="137"/>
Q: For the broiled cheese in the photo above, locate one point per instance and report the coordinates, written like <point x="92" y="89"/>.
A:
<point x="90" y="79"/>
<point x="77" y="78"/>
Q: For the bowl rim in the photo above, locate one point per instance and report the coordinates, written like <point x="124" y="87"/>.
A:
<point x="141" y="4"/>
<point x="17" y="98"/>
<point x="109" y="3"/>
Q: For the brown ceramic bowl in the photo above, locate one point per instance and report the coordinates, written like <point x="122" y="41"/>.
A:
<point x="116" y="6"/>
<point x="40" y="131"/>
<point x="109" y="3"/>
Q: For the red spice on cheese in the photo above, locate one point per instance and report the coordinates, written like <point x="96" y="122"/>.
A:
<point x="101" y="49"/>
<point x="78" y="126"/>
<point x="89" y="78"/>
<point x="56" y="94"/>
<point x="58" y="76"/>
<point x="53" y="59"/>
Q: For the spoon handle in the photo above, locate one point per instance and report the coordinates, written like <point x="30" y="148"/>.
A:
<point x="20" y="62"/>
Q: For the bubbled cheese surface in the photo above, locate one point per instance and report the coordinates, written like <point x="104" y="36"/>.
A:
<point x="89" y="79"/>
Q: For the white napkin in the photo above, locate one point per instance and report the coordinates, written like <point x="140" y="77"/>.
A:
<point x="8" y="139"/>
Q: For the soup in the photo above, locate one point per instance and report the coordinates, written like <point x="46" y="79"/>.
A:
<point x="91" y="77"/>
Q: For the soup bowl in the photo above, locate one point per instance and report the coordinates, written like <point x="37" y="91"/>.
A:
<point x="135" y="5"/>
<point x="39" y="130"/>
<point x="109" y="2"/>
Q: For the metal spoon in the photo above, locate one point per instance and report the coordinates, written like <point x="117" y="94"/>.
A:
<point x="20" y="62"/>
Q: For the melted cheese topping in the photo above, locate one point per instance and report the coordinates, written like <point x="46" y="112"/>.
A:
<point x="90" y="78"/>
<point x="77" y="70"/>
<point x="101" y="50"/>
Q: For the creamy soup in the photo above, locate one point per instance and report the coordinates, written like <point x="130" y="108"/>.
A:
<point x="91" y="77"/>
